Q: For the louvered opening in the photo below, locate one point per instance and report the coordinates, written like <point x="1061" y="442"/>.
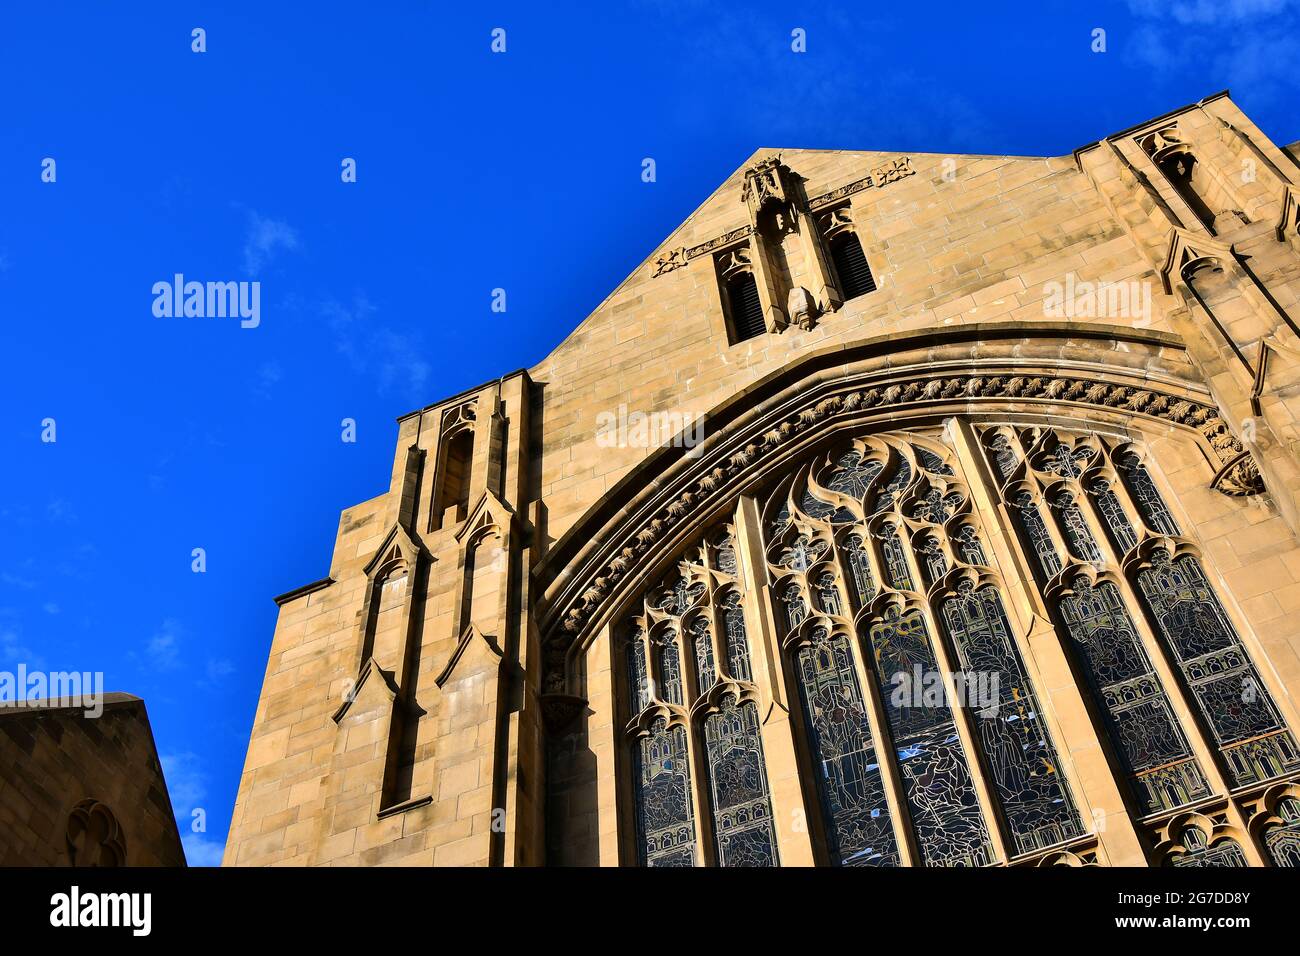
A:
<point x="746" y="309"/>
<point x="851" y="267"/>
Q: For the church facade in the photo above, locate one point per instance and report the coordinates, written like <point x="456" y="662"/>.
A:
<point x="898" y="510"/>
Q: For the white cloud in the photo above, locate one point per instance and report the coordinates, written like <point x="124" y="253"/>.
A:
<point x="265" y="238"/>
<point x="187" y="785"/>
<point x="392" y="359"/>
<point x="1209" y="12"/>
<point x="162" y="651"/>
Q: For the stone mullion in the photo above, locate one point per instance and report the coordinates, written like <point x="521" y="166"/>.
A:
<point x="1047" y="658"/>
<point x="780" y="752"/>
<point x="909" y="852"/>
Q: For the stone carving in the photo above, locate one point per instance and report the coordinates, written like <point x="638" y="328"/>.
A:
<point x="801" y="307"/>
<point x="763" y="184"/>
<point x="1203" y="418"/>
<point x="1239" y="477"/>
<point x="880" y="176"/>
<point x="94" y="836"/>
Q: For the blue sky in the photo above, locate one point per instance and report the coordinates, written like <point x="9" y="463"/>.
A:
<point x="475" y="171"/>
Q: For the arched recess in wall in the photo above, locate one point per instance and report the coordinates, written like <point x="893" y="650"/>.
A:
<point x="866" y="548"/>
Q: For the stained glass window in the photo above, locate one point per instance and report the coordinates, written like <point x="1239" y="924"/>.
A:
<point x="828" y="595"/>
<point x="1040" y="542"/>
<point x="968" y="545"/>
<point x="702" y="593"/>
<point x="665" y="818"/>
<point x="933" y="562"/>
<point x="737" y="644"/>
<point x="638" y="675"/>
<point x="1224" y="683"/>
<point x="899" y="576"/>
<point x="1140" y="720"/>
<point x="702" y="643"/>
<point x="941" y="798"/>
<point x="855" y="553"/>
<point x="795" y="608"/>
<point x="1145" y="495"/>
<point x="856" y="813"/>
<point x="742" y="813"/>
<point x="1078" y="537"/>
<point x="1282" y="840"/>
<point x="1117" y="523"/>
<point x="1017" y="751"/>
<point x="1225" y="852"/>
<point x="1004" y="456"/>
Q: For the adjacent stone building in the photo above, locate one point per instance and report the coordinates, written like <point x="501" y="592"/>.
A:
<point x="83" y="788"/>
<point x="898" y="510"/>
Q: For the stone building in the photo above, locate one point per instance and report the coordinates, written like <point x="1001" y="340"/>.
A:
<point x="80" y="787"/>
<point x="897" y="510"/>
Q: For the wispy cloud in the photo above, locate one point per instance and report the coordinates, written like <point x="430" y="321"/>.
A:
<point x="265" y="238"/>
<point x="390" y="358"/>
<point x="162" y="651"/>
<point x="1210" y="12"/>
<point x="187" y="785"/>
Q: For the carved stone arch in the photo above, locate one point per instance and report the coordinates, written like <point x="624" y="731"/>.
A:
<point x="1275" y="834"/>
<point x="754" y="442"/>
<point x="1175" y="838"/>
<point x="93" y="836"/>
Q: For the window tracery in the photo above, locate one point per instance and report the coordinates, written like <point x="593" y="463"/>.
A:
<point x="889" y="490"/>
<point x="677" y="626"/>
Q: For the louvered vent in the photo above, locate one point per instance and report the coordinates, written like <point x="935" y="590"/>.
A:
<point x="851" y="266"/>
<point x="746" y="309"/>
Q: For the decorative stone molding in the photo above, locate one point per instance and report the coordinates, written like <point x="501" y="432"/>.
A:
<point x="94" y="837"/>
<point x="911" y="391"/>
<point x="1239" y="477"/>
<point x="561" y="710"/>
<point x="759" y="185"/>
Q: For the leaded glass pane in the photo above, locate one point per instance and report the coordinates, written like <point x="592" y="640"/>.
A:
<point x="900" y="578"/>
<point x="1040" y="542"/>
<point x="852" y="474"/>
<point x="802" y="553"/>
<point x="638" y="675"/>
<point x="665" y="818"/>
<point x="1224" y="853"/>
<point x="855" y="554"/>
<point x="1139" y="718"/>
<point x="1067" y="461"/>
<point x="792" y="600"/>
<point x="933" y="563"/>
<point x="930" y="461"/>
<point x="1146" y="496"/>
<point x="1282" y="840"/>
<point x="1221" y="677"/>
<point x="902" y="476"/>
<point x="936" y="779"/>
<point x="814" y="507"/>
<point x="968" y="545"/>
<point x="702" y="643"/>
<point x="828" y="595"/>
<point x="1004" y="456"/>
<point x="858" y="828"/>
<point x="1078" y="536"/>
<point x="724" y="552"/>
<point x="670" y="667"/>
<point x="1117" y="523"/>
<point x="1022" y="762"/>
<point x="742" y="812"/>
<point x="737" y="644"/>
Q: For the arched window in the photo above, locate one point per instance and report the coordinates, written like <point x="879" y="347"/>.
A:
<point x="452" y="505"/>
<point x="895" y="483"/>
<point x="1222" y="685"/>
<point x="1282" y="839"/>
<point x="744" y="308"/>
<point x="714" y="713"/>
<point x="851" y="270"/>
